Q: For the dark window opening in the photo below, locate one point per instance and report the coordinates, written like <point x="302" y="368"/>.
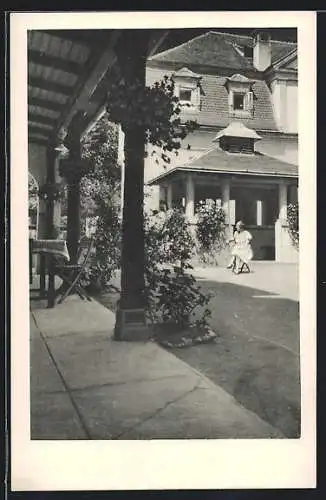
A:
<point x="270" y="210"/>
<point x="248" y="52"/>
<point x="185" y="95"/>
<point x="237" y="145"/>
<point x="246" y="211"/>
<point x="238" y="101"/>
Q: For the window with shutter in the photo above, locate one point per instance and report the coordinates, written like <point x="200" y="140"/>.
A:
<point x="238" y="101"/>
<point x="249" y="102"/>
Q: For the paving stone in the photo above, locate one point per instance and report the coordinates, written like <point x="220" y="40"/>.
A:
<point x="54" y="417"/>
<point x="43" y="375"/>
<point x="111" y="410"/>
<point x="87" y="363"/>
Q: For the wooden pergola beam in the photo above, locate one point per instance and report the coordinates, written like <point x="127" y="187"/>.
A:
<point x="55" y="62"/>
<point x="44" y="103"/>
<point x="46" y="120"/>
<point x="38" y="140"/>
<point x="73" y="35"/>
<point x="51" y="86"/>
<point x="94" y="73"/>
<point x="38" y="130"/>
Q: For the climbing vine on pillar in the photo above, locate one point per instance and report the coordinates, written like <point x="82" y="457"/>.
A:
<point x="293" y="222"/>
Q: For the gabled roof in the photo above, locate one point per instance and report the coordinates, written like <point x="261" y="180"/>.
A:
<point x="239" y="78"/>
<point x="286" y="59"/>
<point x="187" y="73"/>
<point x="237" y="129"/>
<point x="218" y="161"/>
<point x="221" y="50"/>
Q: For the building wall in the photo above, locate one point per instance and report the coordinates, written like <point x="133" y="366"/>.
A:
<point x="282" y="148"/>
<point x="155" y="75"/>
<point x="292" y="107"/>
<point x="285" y="104"/>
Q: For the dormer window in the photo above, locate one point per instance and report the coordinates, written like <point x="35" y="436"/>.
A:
<point x="187" y="88"/>
<point x="241" y="96"/>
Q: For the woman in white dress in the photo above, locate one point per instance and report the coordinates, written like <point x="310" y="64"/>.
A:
<point x="241" y="252"/>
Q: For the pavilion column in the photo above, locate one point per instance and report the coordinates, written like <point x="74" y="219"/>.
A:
<point x="190" y="197"/>
<point x="169" y="196"/>
<point x="72" y="170"/>
<point x="282" y="201"/>
<point x="226" y="190"/>
<point x="282" y="241"/>
<point x="131" y="324"/>
<point x="259" y="212"/>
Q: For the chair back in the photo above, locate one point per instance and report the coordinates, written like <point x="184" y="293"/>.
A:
<point x="84" y="251"/>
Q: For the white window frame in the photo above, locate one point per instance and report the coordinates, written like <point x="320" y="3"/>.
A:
<point x="248" y="100"/>
<point x="186" y="89"/>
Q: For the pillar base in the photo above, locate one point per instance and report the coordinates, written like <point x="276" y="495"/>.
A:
<point x="131" y="325"/>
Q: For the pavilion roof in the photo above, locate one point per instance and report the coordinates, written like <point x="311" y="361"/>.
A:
<point x="221" y="162"/>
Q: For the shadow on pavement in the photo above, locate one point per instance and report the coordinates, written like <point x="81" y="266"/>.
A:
<point x="255" y="357"/>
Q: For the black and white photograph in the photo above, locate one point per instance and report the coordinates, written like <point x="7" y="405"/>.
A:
<point x="163" y="185"/>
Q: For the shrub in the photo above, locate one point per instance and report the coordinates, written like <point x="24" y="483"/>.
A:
<point x="293" y="222"/>
<point x="210" y="230"/>
<point x="172" y="294"/>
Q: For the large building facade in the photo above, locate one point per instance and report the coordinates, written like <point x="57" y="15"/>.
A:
<point x="242" y="91"/>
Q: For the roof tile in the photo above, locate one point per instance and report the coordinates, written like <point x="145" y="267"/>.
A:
<point x="215" y="108"/>
<point x="219" y="49"/>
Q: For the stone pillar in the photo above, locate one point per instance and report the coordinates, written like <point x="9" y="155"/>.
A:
<point x="282" y="201"/>
<point x="284" y="250"/>
<point x="131" y="324"/>
<point x="169" y="196"/>
<point x="259" y="208"/>
<point x="226" y="189"/>
<point x="190" y="198"/>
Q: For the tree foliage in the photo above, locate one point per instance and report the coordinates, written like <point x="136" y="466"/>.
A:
<point x="155" y="109"/>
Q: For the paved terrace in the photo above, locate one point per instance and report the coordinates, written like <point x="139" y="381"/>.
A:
<point x="84" y="385"/>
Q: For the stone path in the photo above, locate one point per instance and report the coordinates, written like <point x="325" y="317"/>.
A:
<point x="84" y="385"/>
